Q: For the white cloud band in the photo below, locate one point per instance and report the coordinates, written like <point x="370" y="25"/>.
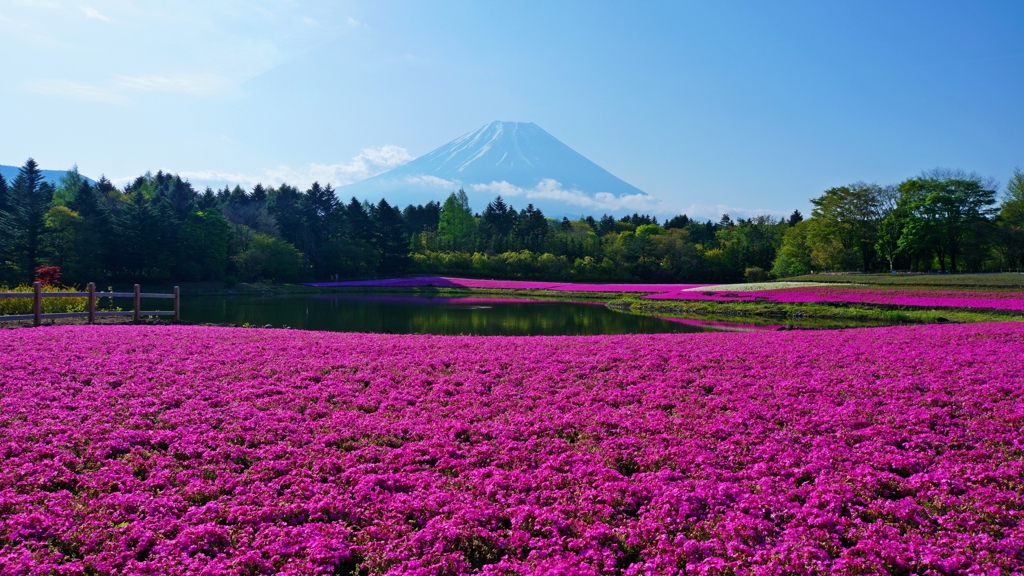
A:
<point x="549" y="189"/>
<point x="370" y="162"/>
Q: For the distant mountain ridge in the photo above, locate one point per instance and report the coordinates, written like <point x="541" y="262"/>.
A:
<point x="518" y="160"/>
<point x="52" y="176"/>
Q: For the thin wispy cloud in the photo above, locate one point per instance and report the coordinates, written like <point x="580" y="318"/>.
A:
<point x="370" y="162"/>
<point x="117" y="91"/>
<point x="715" y="211"/>
<point x="195" y="49"/>
<point x="94" y="14"/>
<point x="75" y="91"/>
<point x="549" y="189"/>
<point x="193" y="84"/>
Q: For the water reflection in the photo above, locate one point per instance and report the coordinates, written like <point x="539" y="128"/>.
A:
<point x="400" y="314"/>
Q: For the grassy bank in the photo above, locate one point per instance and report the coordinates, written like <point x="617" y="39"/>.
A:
<point x="1004" y="280"/>
<point x="797" y="313"/>
<point x="810" y="315"/>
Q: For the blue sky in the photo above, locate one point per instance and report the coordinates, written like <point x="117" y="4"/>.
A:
<point x="709" y="107"/>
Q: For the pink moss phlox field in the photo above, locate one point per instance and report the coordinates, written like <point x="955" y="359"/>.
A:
<point x="888" y="297"/>
<point x="445" y="282"/>
<point x="199" y="450"/>
<point x="725" y="326"/>
<point x="826" y="294"/>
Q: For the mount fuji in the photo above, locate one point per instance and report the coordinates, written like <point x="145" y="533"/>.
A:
<point x="519" y="161"/>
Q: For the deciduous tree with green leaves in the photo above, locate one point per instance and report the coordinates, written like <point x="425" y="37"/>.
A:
<point x="1009" y="238"/>
<point x="456" y="228"/>
<point x="946" y="207"/>
<point x="847" y="216"/>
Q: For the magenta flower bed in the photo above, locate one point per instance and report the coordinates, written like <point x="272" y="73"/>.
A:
<point x="725" y="326"/>
<point x="443" y="282"/>
<point x="173" y="450"/>
<point x="914" y="298"/>
<point x="832" y="294"/>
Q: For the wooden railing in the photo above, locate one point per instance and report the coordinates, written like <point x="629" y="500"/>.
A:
<point x="91" y="313"/>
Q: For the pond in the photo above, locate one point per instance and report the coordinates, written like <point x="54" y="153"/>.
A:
<point x="399" y="314"/>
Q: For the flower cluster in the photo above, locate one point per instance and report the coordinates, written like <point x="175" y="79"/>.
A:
<point x="445" y="282"/>
<point x="49" y="305"/>
<point x="783" y="292"/>
<point x="922" y="298"/>
<point x="173" y="450"/>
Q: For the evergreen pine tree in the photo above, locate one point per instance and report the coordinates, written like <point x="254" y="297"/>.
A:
<point x="389" y="238"/>
<point x="94" y="234"/>
<point x="532" y="228"/>
<point x="357" y="222"/>
<point x="30" y="198"/>
<point x="498" y="219"/>
<point x="4" y="206"/>
<point x="207" y="200"/>
<point x="283" y="205"/>
<point x="321" y="220"/>
<point x="136" y="228"/>
<point x="259" y="196"/>
<point x="6" y="266"/>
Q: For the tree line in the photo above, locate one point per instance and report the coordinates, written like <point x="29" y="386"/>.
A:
<point x="159" y="228"/>
<point x="940" y="221"/>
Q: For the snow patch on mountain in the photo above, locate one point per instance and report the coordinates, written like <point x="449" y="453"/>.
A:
<point x="514" y="159"/>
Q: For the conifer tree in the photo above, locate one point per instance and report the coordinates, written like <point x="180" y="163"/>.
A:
<point x="30" y="198"/>
<point x="94" y="234"/>
<point x="457" y="227"/>
<point x="357" y="222"/>
<point x="4" y="206"/>
<point x="283" y="205"/>
<point x="138" y="238"/>
<point x="389" y="238"/>
<point x="6" y="265"/>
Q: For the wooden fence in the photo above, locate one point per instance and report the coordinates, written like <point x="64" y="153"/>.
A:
<point x="91" y="313"/>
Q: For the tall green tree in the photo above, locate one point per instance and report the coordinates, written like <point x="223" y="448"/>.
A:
<point x="206" y="235"/>
<point x="358" y="226"/>
<point x="322" y="220"/>
<point x="497" y="222"/>
<point x="68" y="186"/>
<point x="267" y="258"/>
<point x="4" y="201"/>
<point x="890" y="226"/>
<point x="456" y="227"/>
<point x="757" y="241"/>
<point x="63" y="246"/>
<point x="421" y="218"/>
<point x="1009" y="238"/>
<point x="947" y="208"/>
<point x="6" y="232"/>
<point x="30" y="198"/>
<point x="138" y="229"/>
<point x="95" y="235"/>
<point x="794" y="255"/>
<point x="531" y="228"/>
<point x="848" y="216"/>
<point x="390" y="239"/>
<point x="284" y="204"/>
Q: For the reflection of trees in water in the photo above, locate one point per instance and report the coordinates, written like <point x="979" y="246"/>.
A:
<point x="408" y="316"/>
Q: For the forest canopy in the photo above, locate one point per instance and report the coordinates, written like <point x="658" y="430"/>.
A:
<point x="160" y="228"/>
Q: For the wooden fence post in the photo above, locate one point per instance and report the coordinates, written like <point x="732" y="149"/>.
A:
<point x="177" y="304"/>
<point x="92" y="303"/>
<point x="138" y="303"/>
<point x="37" y="304"/>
